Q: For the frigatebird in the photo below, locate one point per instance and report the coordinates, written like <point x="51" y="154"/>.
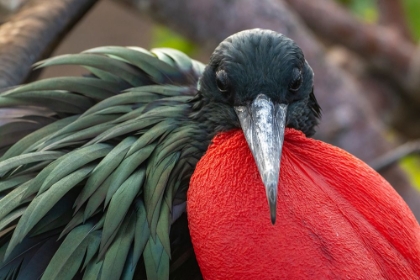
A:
<point x="95" y="171"/>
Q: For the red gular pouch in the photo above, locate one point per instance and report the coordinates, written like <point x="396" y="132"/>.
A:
<point x="336" y="217"/>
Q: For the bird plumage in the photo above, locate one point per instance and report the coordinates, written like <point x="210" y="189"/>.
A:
<point x="104" y="174"/>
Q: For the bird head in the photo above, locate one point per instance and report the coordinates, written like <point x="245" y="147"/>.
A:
<point x="260" y="81"/>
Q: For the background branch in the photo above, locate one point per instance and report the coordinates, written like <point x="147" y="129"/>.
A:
<point x="32" y="34"/>
<point x="392" y="157"/>
<point x="391" y="14"/>
<point x="385" y="49"/>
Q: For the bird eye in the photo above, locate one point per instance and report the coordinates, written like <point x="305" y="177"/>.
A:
<point x="222" y="81"/>
<point x="297" y="80"/>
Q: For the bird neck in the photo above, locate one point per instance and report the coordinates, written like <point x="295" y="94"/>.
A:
<point x="212" y="116"/>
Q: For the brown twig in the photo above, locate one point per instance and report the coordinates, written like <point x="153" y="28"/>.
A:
<point x="393" y="156"/>
<point x="391" y="14"/>
<point x="32" y="34"/>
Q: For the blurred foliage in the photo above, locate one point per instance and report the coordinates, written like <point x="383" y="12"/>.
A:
<point x="364" y="9"/>
<point x="412" y="11"/>
<point x="367" y="11"/>
<point x="411" y="165"/>
<point x="166" y="38"/>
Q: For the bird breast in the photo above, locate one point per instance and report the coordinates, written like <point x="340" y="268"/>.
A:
<point x="336" y="217"/>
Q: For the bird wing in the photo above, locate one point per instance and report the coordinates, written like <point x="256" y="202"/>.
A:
<point x="102" y="163"/>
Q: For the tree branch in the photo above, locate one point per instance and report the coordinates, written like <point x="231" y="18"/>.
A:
<point x="393" y="156"/>
<point x="32" y="34"/>
<point x="385" y="49"/>
<point x="391" y="14"/>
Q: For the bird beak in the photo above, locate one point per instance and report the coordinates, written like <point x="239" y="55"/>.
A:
<point x="263" y="123"/>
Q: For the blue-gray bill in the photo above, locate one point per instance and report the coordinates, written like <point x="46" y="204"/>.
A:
<point x="263" y="124"/>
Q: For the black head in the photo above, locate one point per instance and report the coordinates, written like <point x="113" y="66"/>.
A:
<point x="258" y="61"/>
<point x="260" y="81"/>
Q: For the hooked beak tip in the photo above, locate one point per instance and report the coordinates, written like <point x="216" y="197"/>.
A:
<point x="271" y="189"/>
<point x="273" y="216"/>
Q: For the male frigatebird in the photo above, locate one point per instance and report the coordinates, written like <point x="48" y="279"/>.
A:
<point x="95" y="170"/>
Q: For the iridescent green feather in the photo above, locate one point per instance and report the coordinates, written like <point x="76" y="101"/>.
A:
<point x="89" y="180"/>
